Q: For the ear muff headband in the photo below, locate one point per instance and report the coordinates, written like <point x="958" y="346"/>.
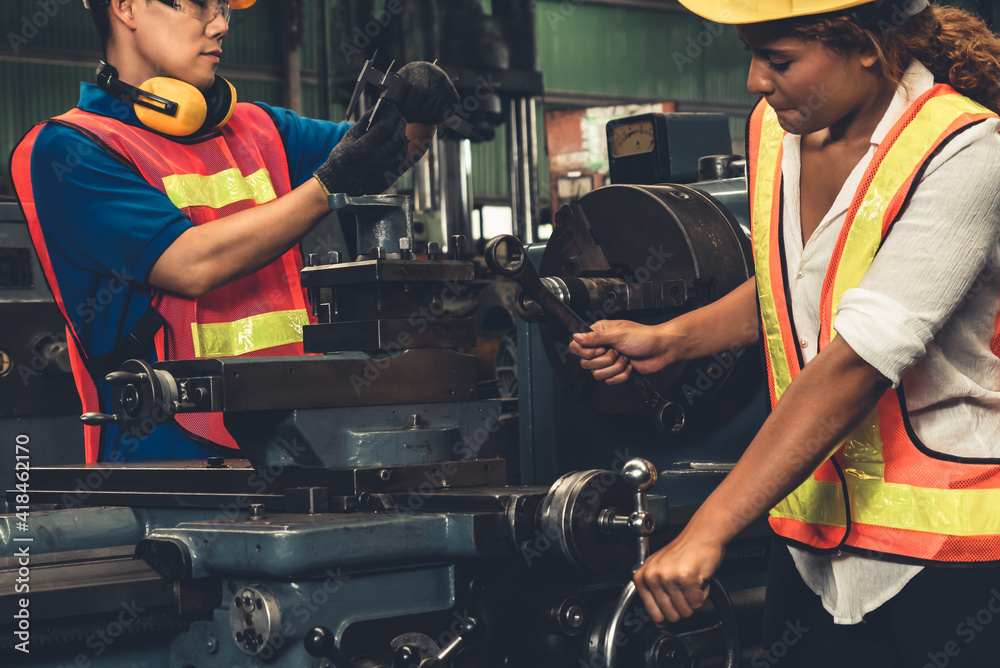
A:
<point x="171" y="106"/>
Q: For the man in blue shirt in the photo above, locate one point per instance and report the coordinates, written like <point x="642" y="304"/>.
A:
<point x="193" y="229"/>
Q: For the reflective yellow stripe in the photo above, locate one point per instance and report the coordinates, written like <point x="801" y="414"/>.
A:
<point x="767" y="163"/>
<point x="814" y="502"/>
<point x="950" y="512"/>
<point x="218" y="190"/>
<point x="227" y="339"/>
<point x="865" y="236"/>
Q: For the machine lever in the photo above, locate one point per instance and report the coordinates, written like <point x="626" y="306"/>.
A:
<point x="319" y="643"/>
<point x="640" y="475"/>
<point x="668" y="416"/>
<point x="125" y="378"/>
<point x="97" y="419"/>
<point x="472" y="632"/>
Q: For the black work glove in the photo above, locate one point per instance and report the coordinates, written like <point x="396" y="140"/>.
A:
<point x="367" y="163"/>
<point x="433" y="95"/>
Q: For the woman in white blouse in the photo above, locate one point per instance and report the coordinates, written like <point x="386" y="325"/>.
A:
<point x="874" y="176"/>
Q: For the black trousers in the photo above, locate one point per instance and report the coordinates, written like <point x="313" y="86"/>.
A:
<point x="942" y="618"/>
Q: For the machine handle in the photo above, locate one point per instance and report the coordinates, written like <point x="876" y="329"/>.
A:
<point x="472" y="632"/>
<point x="668" y="416"/>
<point x="319" y="642"/>
<point x="97" y="419"/>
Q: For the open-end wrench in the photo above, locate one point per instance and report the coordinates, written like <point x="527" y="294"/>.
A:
<point x="668" y="416"/>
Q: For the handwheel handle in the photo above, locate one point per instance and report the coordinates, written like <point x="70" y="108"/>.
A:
<point x="608" y="647"/>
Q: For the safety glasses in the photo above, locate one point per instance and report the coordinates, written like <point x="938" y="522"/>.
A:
<point x="203" y="10"/>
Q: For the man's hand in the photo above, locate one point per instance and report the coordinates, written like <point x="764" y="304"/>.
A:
<point x="432" y="96"/>
<point x="615" y="347"/>
<point x="358" y="164"/>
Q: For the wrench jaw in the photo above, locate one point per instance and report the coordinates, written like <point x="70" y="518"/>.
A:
<point x="668" y="417"/>
<point x="505" y="255"/>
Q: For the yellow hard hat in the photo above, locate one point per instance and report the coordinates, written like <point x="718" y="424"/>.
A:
<point x="756" y="11"/>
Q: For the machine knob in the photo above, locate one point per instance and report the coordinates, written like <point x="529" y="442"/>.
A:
<point x="639" y="474"/>
<point x="319" y="642"/>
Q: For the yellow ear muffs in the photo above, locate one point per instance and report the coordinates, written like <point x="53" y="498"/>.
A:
<point x="241" y="4"/>
<point x="191" y="107"/>
<point x="171" y="106"/>
<point x="221" y="101"/>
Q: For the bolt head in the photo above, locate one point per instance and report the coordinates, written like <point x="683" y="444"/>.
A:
<point x="131" y="400"/>
<point x="575" y="616"/>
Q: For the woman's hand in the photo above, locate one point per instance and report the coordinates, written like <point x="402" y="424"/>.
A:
<point x="615" y="347"/>
<point x="672" y="582"/>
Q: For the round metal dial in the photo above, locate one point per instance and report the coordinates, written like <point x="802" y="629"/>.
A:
<point x="633" y="139"/>
<point x="254" y="619"/>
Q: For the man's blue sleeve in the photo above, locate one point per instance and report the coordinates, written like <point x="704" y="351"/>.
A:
<point x="308" y="141"/>
<point x="98" y="214"/>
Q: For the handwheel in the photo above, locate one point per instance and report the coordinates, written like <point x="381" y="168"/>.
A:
<point x="626" y="637"/>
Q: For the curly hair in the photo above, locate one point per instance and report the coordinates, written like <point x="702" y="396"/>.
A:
<point x="956" y="46"/>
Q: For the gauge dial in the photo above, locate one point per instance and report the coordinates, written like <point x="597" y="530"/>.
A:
<point x="632" y="139"/>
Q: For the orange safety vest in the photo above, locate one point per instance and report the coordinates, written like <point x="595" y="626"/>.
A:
<point x="883" y="490"/>
<point x="243" y="165"/>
